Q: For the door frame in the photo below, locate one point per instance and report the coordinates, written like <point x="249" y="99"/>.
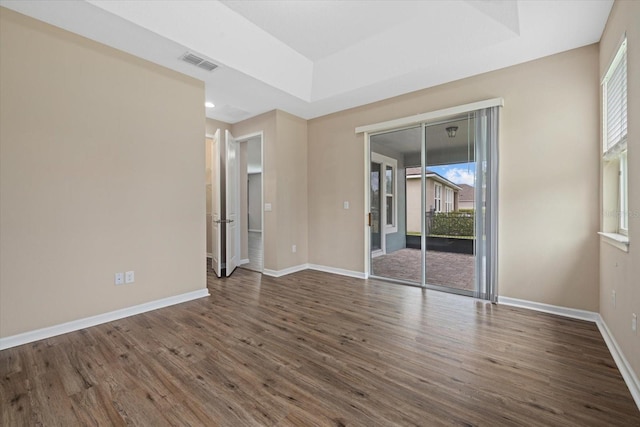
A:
<point x="405" y="123"/>
<point x="232" y="179"/>
<point x="385" y="229"/>
<point x="216" y="264"/>
<point x="242" y="219"/>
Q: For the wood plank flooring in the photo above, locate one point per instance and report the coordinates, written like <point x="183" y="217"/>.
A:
<point x="256" y="257"/>
<point x="315" y="349"/>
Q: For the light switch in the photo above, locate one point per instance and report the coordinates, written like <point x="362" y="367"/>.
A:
<point x="267" y="207"/>
<point x="346" y="204"/>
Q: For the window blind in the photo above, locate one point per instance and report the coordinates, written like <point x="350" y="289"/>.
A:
<point x="615" y="93"/>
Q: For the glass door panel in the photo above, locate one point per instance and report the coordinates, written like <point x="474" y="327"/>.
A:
<point x="396" y="252"/>
<point x="450" y="204"/>
<point x="433" y="204"/>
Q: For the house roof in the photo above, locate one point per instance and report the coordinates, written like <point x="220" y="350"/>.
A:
<point x="467" y="193"/>
<point x="415" y="173"/>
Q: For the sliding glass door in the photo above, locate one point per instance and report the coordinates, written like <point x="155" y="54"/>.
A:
<point x="442" y="177"/>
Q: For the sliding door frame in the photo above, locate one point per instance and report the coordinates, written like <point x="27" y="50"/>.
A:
<point x="423" y="120"/>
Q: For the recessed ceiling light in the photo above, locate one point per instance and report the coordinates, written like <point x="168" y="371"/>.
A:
<point x="209" y="104"/>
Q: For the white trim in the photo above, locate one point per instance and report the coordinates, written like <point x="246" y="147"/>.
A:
<point x="624" y="367"/>
<point x="622" y="363"/>
<point x="316" y="267"/>
<point x="246" y="138"/>
<point x="424" y="117"/>
<point x="377" y="253"/>
<point x="573" y="313"/>
<point x="249" y="136"/>
<point x="367" y="203"/>
<point x="243" y="262"/>
<point x="87" y="322"/>
<point x="614" y="239"/>
<point x="285" y="271"/>
<point x="209" y="255"/>
<point x="340" y="271"/>
<point x="384" y="162"/>
<point x="255" y="231"/>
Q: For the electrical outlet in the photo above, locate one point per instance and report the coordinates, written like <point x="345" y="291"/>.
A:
<point x="119" y="280"/>
<point x="345" y="204"/>
<point x="613" y="299"/>
<point x="634" y="323"/>
<point x="294" y="249"/>
<point x="129" y="277"/>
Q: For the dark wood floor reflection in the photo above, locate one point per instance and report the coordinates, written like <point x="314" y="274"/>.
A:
<point x="317" y="349"/>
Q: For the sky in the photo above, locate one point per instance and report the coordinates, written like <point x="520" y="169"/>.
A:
<point x="459" y="173"/>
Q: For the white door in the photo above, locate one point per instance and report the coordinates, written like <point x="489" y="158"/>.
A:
<point x="232" y="202"/>
<point x="215" y="199"/>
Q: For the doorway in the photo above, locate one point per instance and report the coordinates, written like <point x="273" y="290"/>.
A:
<point x="433" y="203"/>
<point x="222" y="190"/>
<point x="252" y="230"/>
<point x="234" y="169"/>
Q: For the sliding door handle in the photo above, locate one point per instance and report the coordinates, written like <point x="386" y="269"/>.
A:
<point x="370" y="219"/>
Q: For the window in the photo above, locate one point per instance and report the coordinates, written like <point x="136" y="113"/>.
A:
<point x="448" y="199"/>
<point x="388" y="186"/>
<point x="614" y="144"/>
<point x="624" y="200"/>
<point x="437" y="197"/>
<point x="389" y="194"/>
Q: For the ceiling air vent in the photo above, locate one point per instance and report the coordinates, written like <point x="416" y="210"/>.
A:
<point x="198" y="61"/>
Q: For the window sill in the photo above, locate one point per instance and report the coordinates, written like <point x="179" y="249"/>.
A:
<point x="619" y="241"/>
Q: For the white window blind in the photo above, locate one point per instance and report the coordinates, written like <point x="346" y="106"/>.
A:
<point x="615" y="103"/>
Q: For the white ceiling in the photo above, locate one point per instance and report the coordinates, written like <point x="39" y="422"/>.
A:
<point x="311" y="58"/>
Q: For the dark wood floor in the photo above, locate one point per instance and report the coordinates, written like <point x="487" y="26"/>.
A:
<point x="314" y="349"/>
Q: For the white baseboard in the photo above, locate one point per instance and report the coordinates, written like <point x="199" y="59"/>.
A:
<point x="573" y="313"/>
<point x="243" y="262"/>
<point x="340" y="271"/>
<point x="74" y="325"/>
<point x="285" y="271"/>
<point x="623" y="365"/>
<point x="301" y="267"/>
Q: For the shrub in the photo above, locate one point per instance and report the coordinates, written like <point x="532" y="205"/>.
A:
<point x="452" y="224"/>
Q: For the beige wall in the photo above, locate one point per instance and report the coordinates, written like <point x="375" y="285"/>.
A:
<point x="265" y="123"/>
<point x="101" y="171"/>
<point x="549" y="130"/>
<point x="285" y="182"/>
<point x="620" y="271"/>
<point x="213" y="125"/>
<point x="414" y="205"/>
<point x="292" y="190"/>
